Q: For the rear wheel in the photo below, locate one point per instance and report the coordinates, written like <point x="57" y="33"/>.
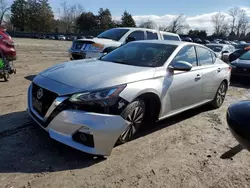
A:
<point x="220" y="95"/>
<point x="134" y="114"/>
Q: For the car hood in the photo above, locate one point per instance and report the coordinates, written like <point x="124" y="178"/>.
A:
<point x="86" y="75"/>
<point x="107" y="42"/>
<point x="241" y="63"/>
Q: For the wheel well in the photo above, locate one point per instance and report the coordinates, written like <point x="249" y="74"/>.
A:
<point x="226" y="82"/>
<point x="153" y="105"/>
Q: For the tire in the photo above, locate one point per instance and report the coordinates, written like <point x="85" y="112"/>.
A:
<point x="6" y="77"/>
<point x="220" y="95"/>
<point x="134" y="113"/>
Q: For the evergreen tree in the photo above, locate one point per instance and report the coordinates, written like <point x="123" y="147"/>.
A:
<point x="19" y="14"/>
<point x="46" y="16"/>
<point x="127" y="20"/>
<point x="86" y="21"/>
<point x="105" y="19"/>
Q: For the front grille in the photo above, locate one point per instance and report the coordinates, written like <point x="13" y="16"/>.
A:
<point x="77" y="56"/>
<point x="42" y="99"/>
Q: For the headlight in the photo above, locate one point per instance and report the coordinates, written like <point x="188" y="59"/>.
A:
<point x="95" y="47"/>
<point x="98" y="96"/>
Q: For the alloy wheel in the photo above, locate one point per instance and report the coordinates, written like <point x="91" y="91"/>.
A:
<point x="134" y="119"/>
<point x="221" y="94"/>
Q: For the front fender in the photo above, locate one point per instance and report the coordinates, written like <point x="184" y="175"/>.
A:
<point x="135" y="89"/>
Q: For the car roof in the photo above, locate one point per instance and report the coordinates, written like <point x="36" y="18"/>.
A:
<point x="145" y="29"/>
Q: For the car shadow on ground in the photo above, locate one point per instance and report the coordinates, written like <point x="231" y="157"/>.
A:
<point x="173" y="120"/>
<point x="232" y="152"/>
<point x="29" y="149"/>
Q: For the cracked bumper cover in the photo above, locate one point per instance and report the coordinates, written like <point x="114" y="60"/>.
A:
<point x="104" y="128"/>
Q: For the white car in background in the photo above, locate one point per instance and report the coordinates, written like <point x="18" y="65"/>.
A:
<point x="222" y="50"/>
<point x="61" y="37"/>
<point x="113" y="38"/>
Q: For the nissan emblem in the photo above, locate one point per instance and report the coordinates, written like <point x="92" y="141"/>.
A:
<point x="39" y="93"/>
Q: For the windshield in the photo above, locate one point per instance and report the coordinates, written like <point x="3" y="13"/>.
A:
<point x="141" y="54"/>
<point x="113" y="34"/>
<point x="245" y="56"/>
<point x="215" y="48"/>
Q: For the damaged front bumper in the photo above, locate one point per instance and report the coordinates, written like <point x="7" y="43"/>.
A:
<point x="93" y="133"/>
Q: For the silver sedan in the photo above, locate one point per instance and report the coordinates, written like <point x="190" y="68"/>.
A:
<point x="93" y="104"/>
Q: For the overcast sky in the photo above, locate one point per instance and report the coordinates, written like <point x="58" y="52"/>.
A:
<point x="198" y="12"/>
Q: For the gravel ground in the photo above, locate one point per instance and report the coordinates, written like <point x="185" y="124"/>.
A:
<point x="193" y="149"/>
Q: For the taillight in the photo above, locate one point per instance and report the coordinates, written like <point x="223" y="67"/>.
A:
<point x="230" y="68"/>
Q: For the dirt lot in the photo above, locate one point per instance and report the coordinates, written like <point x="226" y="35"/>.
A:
<point x="194" y="149"/>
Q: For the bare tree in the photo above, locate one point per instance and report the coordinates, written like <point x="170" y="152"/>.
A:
<point x="178" y="24"/>
<point x="4" y="8"/>
<point x="69" y="15"/>
<point x="220" y="24"/>
<point x="234" y="13"/>
<point x="150" y="24"/>
<point x="243" y="23"/>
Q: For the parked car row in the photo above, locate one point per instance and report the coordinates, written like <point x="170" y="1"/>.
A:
<point x="94" y="47"/>
<point x="59" y="37"/>
<point x="113" y="38"/>
<point x="235" y="43"/>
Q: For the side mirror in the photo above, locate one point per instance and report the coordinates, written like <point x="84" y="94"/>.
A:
<point x="130" y="39"/>
<point x="181" y="66"/>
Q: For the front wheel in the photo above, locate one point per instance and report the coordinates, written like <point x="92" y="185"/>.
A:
<point x="134" y="114"/>
<point x="6" y="77"/>
<point x="220" y="95"/>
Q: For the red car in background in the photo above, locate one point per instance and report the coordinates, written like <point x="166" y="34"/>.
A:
<point x="7" y="46"/>
<point x="7" y="55"/>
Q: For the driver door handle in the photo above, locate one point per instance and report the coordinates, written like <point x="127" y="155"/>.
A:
<point x="219" y="69"/>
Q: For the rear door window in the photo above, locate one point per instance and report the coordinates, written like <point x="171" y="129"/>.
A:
<point x="204" y="56"/>
<point x="138" y="35"/>
<point x="152" y="35"/>
<point x="170" y="37"/>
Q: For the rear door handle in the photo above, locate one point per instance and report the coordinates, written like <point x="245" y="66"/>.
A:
<point x="219" y="69"/>
<point x="198" y="76"/>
